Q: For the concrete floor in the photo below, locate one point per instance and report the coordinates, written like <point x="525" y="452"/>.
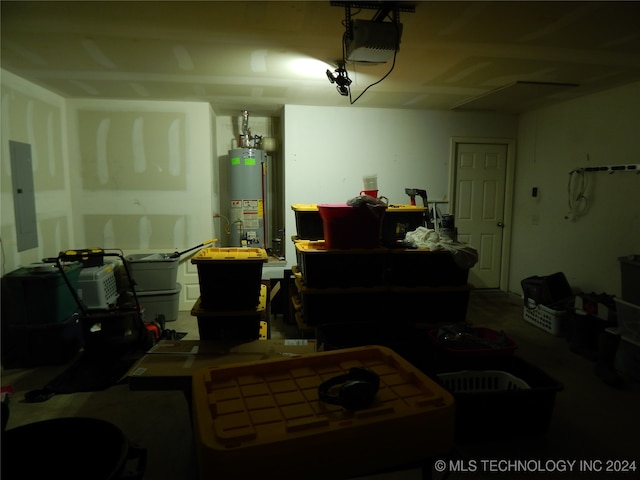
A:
<point x="591" y="421"/>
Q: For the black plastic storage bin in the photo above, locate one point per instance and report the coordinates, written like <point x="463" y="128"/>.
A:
<point x="424" y="268"/>
<point x="231" y="328"/>
<point x="399" y="220"/>
<point x="321" y="267"/>
<point x="584" y="333"/>
<point x="309" y="224"/>
<point x="492" y="408"/>
<point x="230" y="278"/>
<point x="237" y="325"/>
<point x="321" y="306"/>
<point x="27" y="346"/>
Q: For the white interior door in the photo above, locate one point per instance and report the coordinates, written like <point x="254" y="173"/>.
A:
<point x="479" y="182"/>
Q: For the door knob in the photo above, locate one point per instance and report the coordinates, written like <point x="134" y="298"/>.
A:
<point x="501" y="225"/>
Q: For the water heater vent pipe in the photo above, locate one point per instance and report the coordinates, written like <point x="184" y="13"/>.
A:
<point x="246" y="133"/>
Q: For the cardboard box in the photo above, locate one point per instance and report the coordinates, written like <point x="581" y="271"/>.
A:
<point x="169" y="364"/>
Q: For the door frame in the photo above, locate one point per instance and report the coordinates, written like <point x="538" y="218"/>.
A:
<point x="509" y="181"/>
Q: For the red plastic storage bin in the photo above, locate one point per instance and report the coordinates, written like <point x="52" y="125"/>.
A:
<point x="482" y="341"/>
<point x="351" y="227"/>
<point x="473" y="344"/>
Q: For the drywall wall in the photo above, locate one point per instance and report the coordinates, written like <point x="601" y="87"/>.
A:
<point x="135" y="176"/>
<point x="328" y="150"/>
<point x="144" y="178"/>
<point x="597" y="130"/>
<point x="35" y="116"/>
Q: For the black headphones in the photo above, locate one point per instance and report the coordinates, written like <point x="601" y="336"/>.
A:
<point x="358" y="389"/>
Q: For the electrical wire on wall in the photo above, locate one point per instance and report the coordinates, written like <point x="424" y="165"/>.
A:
<point x="577" y="188"/>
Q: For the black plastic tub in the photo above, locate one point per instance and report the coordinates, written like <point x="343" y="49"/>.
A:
<point x="73" y="448"/>
<point x="520" y="405"/>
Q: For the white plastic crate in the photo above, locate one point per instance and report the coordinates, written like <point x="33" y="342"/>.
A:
<point x="97" y="286"/>
<point x="546" y="318"/>
<point x="470" y="381"/>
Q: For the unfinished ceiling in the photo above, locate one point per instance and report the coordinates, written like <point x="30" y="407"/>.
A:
<point x="237" y="55"/>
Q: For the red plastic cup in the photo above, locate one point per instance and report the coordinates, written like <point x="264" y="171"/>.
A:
<point x="371" y="193"/>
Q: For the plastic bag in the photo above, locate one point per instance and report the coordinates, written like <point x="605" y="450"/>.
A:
<point x="365" y="200"/>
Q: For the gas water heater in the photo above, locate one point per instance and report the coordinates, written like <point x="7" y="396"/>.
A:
<point x="248" y="192"/>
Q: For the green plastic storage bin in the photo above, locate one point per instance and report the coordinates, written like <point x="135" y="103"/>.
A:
<point x="34" y="297"/>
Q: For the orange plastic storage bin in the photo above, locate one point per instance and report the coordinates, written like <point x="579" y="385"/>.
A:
<point x="265" y="418"/>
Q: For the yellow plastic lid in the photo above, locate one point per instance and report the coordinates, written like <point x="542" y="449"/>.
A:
<point x="263" y="408"/>
<point x="405" y="208"/>
<point x="307" y="246"/>
<point x="305" y="207"/>
<point x="230" y="254"/>
<point x="320" y="246"/>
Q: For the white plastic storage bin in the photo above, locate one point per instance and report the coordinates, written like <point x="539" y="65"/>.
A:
<point x="161" y="302"/>
<point x="153" y="271"/>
